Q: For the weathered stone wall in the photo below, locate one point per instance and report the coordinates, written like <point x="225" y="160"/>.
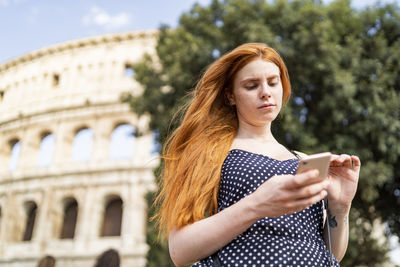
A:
<point x="60" y="90"/>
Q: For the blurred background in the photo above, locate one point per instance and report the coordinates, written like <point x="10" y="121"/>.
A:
<point x="105" y="77"/>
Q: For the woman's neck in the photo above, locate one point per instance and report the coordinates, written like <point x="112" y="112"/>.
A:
<point x="260" y="134"/>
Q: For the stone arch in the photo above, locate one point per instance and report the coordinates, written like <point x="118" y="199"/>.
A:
<point x="44" y="133"/>
<point x="121" y="121"/>
<point x="70" y="216"/>
<point x="82" y="144"/>
<point x="47" y="261"/>
<point x="5" y="152"/>
<point x="112" y="216"/>
<point x="46" y="147"/>
<point x="30" y="218"/>
<point x="14" y="153"/>
<point x="109" y="258"/>
<point x="129" y="71"/>
<point x="80" y="127"/>
<point x="122" y="139"/>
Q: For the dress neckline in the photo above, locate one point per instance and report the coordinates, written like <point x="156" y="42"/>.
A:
<point x="262" y="155"/>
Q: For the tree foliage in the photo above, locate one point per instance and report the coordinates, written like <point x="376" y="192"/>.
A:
<point x="344" y="66"/>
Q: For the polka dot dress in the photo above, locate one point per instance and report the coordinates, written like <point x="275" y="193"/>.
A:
<point x="289" y="240"/>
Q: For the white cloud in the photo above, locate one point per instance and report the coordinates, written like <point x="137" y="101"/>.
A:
<point x="4" y="3"/>
<point x="100" y="17"/>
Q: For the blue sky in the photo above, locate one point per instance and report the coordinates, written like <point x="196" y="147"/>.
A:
<point x="27" y="25"/>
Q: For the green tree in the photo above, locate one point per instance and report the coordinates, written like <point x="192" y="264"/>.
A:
<point x="344" y="66"/>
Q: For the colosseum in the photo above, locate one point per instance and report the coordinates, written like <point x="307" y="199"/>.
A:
<point x="73" y="174"/>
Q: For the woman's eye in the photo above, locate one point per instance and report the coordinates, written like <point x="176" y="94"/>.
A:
<point x="273" y="82"/>
<point x="251" y="86"/>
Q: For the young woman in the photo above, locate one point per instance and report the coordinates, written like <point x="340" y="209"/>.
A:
<point x="230" y="194"/>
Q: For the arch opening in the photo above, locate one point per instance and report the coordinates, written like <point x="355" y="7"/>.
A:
<point x="47" y="261"/>
<point x="70" y="219"/>
<point x="15" y="148"/>
<point x="122" y="142"/>
<point x="109" y="258"/>
<point x="112" y="219"/>
<point x="82" y="145"/>
<point x="46" y="149"/>
<point x="31" y="210"/>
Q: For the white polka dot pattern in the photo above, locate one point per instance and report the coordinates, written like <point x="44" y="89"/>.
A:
<point x="289" y="240"/>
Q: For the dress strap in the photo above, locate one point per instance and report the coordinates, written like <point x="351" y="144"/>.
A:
<point x="295" y="153"/>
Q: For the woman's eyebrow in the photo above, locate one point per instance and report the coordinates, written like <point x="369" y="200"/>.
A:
<point x="252" y="79"/>
<point x="274" y="76"/>
<point x="255" y="79"/>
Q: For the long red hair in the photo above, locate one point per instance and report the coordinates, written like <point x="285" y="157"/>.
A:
<point x="194" y="153"/>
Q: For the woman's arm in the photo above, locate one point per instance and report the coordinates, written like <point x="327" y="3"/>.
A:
<point x="339" y="231"/>
<point x="343" y="179"/>
<point x="279" y="195"/>
<point x="202" y="238"/>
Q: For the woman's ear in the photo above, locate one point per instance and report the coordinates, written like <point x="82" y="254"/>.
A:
<point x="230" y="97"/>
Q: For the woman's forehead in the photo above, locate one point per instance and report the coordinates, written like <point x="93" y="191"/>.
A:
<point x="257" y="68"/>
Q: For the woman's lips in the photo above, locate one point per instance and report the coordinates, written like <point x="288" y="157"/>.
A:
<point x="266" y="106"/>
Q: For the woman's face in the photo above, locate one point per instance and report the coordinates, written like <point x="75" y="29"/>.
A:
<point x="257" y="93"/>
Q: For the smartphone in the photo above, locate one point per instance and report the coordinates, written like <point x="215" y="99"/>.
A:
<point x="318" y="161"/>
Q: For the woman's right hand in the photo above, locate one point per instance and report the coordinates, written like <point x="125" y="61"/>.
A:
<point x="286" y="194"/>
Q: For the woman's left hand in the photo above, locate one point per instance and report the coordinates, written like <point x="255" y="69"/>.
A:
<point x="343" y="177"/>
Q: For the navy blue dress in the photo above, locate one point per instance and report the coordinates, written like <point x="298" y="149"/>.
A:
<point x="289" y="240"/>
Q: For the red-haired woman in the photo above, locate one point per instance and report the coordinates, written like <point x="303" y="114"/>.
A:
<point x="230" y="194"/>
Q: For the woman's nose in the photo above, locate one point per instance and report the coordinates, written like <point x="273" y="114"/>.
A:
<point x="265" y="91"/>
